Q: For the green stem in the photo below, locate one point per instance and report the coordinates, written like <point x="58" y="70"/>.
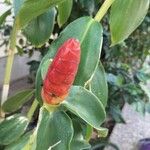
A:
<point x="103" y="10"/>
<point x="9" y="64"/>
<point x="32" y="109"/>
<point x="89" y="131"/>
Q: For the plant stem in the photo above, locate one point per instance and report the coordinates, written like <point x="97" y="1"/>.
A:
<point x="32" y="109"/>
<point x="9" y="64"/>
<point x="102" y="11"/>
<point x="89" y="131"/>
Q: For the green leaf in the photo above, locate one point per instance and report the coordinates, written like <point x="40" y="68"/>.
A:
<point x="143" y="76"/>
<point x="116" y="114"/>
<point x="38" y="85"/>
<point x="139" y="106"/>
<point x="43" y="23"/>
<point x="53" y="128"/>
<point x="99" y="84"/>
<point x="125" y="17"/>
<point x="12" y="128"/>
<point x="38" y="31"/>
<point x="45" y="67"/>
<point x="4" y="16"/>
<point x="19" y="50"/>
<point x="89" y="33"/>
<point x="146" y="90"/>
<point x="64" y="10"/>
<point x="115" y="80"/>
<point x="78" y="142"/>
<point x="33" y="8"/>
<point x="17" y="101"/>
<point x="20" y="143"/>
<point x="86" y="105"/>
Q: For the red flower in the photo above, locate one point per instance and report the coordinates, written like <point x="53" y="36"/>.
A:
<point x="61" y="72"/>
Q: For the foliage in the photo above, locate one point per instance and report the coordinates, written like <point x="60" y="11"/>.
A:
<point x="127" y="68"/>
<point x="71" y="123"/>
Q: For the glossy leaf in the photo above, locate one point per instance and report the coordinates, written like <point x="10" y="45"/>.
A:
<point x="20" y="143"/>
<point x="125" y="17"/>
<point x="4" y="16"/>
<point x="86" y="105"/>
<point x="64" y="10"/>
<point x="38" y="31"/>
<point x="89" y="33"/>
<point x="99" y="84"/>
<point x="38" y="85"/>
<point x="45" y="67"/>
<point x="12" y="128"/>
<point x="53" y="128"/>
<point x="17" y="101"/>
<point x="33" y="8"/>
<point x="43" y="23"/>
<point x="78" y="142"/>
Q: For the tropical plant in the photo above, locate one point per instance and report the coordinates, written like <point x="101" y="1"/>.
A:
<point x="66" y="119"/>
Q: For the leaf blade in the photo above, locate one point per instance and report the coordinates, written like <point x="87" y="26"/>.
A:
<point x="33" y="8"/>
<point x="20" y="143"/>
<point x="16" y="101"/>
<point x="12" y="128"/>
<point x="125" y="17"/>
<point x="84" y="104"/>
<point x="44" y="24"/>
<point x="99" y="84"/>
<point x="4" y="16"/>
<point x="89" y="33"/>
<point x="55" y="127"/>
<point x="64" y="10"/>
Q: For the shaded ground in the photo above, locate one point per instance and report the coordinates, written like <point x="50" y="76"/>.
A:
<point x="126" y="136"/>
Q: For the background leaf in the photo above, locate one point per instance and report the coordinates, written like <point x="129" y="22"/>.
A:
<point x="4" y="16"/>
<point x="52" y="128"/>
<point x="125" y="17"/>
<point x="33" y="8"/>
<point x="99" y="84"/>
<point x="38" y="31"/>
<point x="89" y="33"/>
<point x="64" y="10"/>
<point x="43" y="23"/>
<point x="116" y="112"/>
<point x="16" y="101"/>
<point x="85" y="105"/>
<point x="12" y="128"/>
<point x="20" y="143"/>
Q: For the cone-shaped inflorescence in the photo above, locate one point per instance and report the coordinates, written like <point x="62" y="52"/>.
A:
<point x="61" y="72"/>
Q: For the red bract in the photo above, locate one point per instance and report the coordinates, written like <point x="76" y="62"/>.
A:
<point x="61" y="72"/>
